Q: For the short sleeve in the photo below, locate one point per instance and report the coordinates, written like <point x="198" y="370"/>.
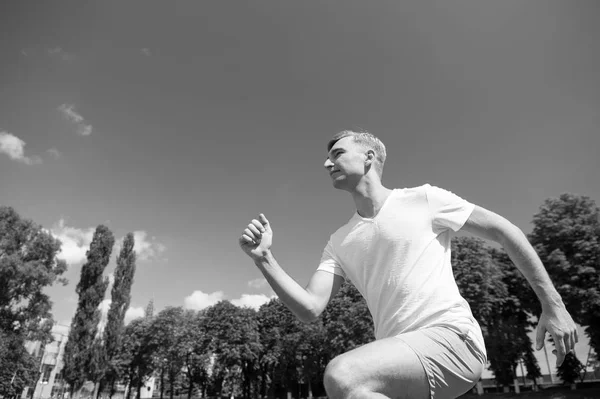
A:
<point x="329" y="262"/>
<point x="448" y="210"/>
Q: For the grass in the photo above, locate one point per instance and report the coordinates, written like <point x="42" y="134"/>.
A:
<point x="583" y="391"/>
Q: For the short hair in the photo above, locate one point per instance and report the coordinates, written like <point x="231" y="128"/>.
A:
<point x="367" y="140"/>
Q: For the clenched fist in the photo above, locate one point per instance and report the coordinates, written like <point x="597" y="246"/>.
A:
<point x="257" y="238"/>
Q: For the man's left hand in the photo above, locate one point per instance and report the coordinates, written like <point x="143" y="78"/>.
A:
<point x="559" y="324"/>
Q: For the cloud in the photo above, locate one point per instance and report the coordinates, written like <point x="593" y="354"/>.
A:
<point x="251" y="301"/>
<point x="75" y="242"/>
<point x="60" y="53"/>
<point x="146" y="249"/>
<point x="134" y="312"/>
<point x="258" y="283"/>
<point x="54" y="152"/>
<point x="146" y="51"/>
<point x="68" y="110"/>
<point x="261" y="285"/>
<point x="14" y="147"/>
<point x="199" y="300"/>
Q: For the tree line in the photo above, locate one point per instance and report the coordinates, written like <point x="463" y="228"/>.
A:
<point x="227" y="350"/>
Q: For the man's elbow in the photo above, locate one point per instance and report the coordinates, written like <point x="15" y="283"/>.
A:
<point x="309" y="316"/>
<point x="509" y="233"/>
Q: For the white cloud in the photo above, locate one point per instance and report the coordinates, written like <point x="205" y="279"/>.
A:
<point x="134" y="312"/>
<point x="75" y="242"/>
<point x="54" y="152"/>
<point x="104" y="306"/>
<point x="14" y="147"/>
<point x="68" y="110"/>
<point x="146" y="249"/>
<point x="146" y="51"/>
<point x="251" y="301"/>
<point x="60" y="53"/>
<point x="199" y="300"/>
<point x="258" y="283"/>
<point x="111" y="281"/>
<point x="262" y="285"/>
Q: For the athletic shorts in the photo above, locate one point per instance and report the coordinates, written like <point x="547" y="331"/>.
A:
<point x="451" y="357"/>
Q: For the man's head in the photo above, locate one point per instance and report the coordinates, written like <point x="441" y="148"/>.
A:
<point x="355" y="154"/>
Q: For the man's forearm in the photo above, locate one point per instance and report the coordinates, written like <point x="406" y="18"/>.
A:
<point x="528" y="262"/>
<point x="294" y="296"/>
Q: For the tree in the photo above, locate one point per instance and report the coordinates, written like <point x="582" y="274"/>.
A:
<point x="120" y="299"/>
<point x="18" y="368"/>
<point x="292" y="352"/>
<point x="235" y="343"/>
<point x="570" y="369"/>
<point x="28" y="264"/>
<point x="520" y="303"/>
<point x="566" y="235"/>
<point x="347" y="321"/>
<point x="479" y="280"/>
<point x="79" y="359"/>
<point x="197" y="354"/>
<point x="138" y="353"/>
<point x="168" y="332"/>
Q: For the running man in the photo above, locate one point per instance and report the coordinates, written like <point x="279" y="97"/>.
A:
<point x="396" y="251"/>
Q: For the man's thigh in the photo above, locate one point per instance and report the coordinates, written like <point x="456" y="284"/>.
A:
<point x="387" y="366"/>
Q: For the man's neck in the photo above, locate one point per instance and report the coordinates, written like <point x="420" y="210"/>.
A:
<point x="369" y="197"/>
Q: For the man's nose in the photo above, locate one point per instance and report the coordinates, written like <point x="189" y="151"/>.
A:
<point x="328" y="163"/>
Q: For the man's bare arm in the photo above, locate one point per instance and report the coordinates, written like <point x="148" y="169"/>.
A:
<point x="555" y="319"/>
<point x="306" y="303"/>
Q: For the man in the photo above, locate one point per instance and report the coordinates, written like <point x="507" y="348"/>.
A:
<point x="396" y="251"/>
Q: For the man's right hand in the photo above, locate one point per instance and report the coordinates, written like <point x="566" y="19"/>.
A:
<point x="257" y="238"/>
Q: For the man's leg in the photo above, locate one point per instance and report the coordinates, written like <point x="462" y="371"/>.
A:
<point x="384" y="368"/>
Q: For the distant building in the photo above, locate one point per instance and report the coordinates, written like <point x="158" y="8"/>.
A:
<point x="51" y="384"/>
<point x="50" y="356"/>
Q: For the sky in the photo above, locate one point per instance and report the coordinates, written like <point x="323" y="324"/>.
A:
<point x="181" y="121"/>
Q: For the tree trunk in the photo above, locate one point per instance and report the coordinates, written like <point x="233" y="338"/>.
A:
<point x="139" y="390"/>
<point x="112" y="388"/>
<point x="99" y="387"/>
<point x="479" y="388"/>
<point x="191" y="387"/>
<point x="162" y="383"/>
<point x="128" y="389"/>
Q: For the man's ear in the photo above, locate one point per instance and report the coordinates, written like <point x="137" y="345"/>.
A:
<point x="370" y="157"/>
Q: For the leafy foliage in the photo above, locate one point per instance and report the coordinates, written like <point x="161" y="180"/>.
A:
<point x="570" y="370"/>
<point x="120" y="299"/>
<point x="80" y="358"/>
<point x="28" y="264"/>
<point x="566" y="235"/>
<point x="235" y="343"/>
<point x="347" y="321"/>
<point x="18" y="368"/>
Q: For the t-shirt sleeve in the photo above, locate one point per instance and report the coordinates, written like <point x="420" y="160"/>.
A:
<point x="448" y="210"/>
<point x="329" y="262"/>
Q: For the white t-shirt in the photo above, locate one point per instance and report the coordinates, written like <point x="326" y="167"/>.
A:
<point x="400" y="261"/>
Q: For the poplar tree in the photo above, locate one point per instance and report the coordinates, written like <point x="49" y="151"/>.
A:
<point x="120" y="299"/>
<point x="79" y="357"/>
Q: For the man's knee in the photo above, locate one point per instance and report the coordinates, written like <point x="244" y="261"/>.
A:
<point x="338" y="378"/>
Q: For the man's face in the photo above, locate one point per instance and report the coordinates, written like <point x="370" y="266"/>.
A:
<point x="346" y="163"/>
